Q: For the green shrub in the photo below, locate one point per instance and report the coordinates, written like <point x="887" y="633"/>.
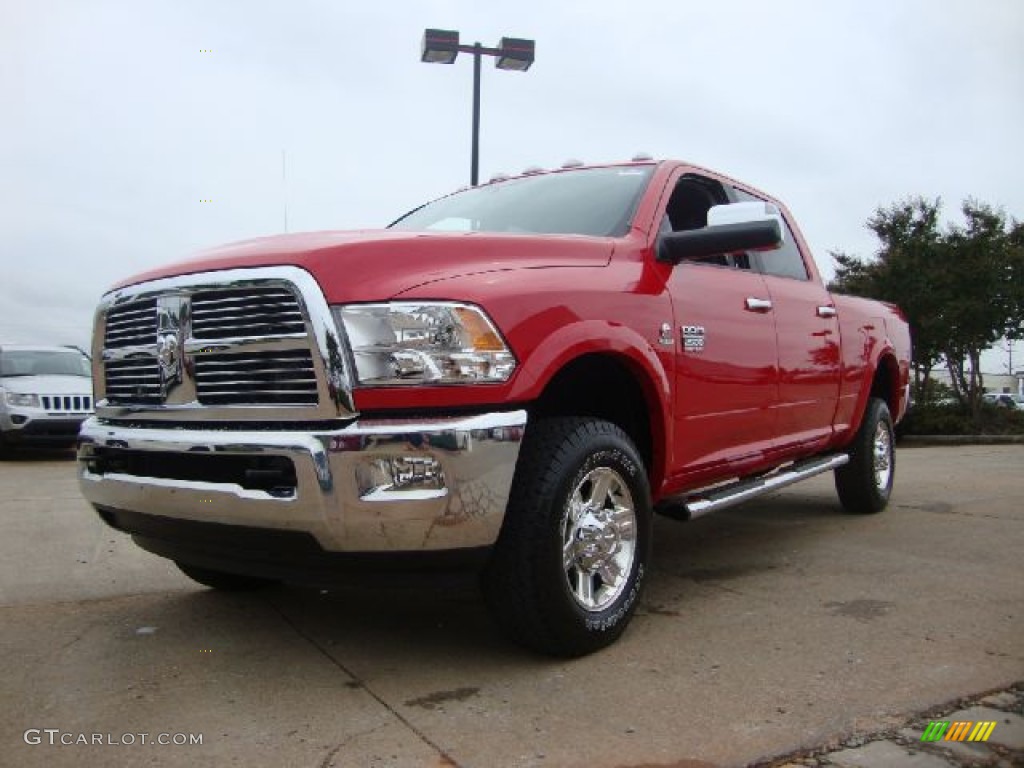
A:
<point x="956" y="420"/>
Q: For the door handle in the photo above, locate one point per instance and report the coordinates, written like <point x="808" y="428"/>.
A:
<point x="826" y="311"/>
<point x="755" y="304"/>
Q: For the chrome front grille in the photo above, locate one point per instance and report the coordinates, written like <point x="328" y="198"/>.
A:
<point x="223" y="314"/>
<point x="133" y="380"/>
<point x="67" y="403"/>
<point x="130" y="325"/>
<point x="235" y="345"/>
<point x="279" y="378"/>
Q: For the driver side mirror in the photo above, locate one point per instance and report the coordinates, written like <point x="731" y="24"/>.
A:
<point x="748" y="226"/>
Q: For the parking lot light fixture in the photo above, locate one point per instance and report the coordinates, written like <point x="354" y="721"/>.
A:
<point x="441" y="46"/>
<point x="516" y="54"/>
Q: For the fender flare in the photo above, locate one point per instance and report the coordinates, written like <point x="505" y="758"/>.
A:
<point x="884" y="350"/>
<point x="586" y="337"/>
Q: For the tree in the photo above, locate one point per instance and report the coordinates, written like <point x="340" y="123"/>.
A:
<point x="983" y="301"/>
<point x="962" y="289"/>
<point x="901" y="272"/>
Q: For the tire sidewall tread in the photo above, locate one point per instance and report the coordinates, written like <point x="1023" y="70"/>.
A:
<point x="855" y="482"/>
<point x="524" y="583"/>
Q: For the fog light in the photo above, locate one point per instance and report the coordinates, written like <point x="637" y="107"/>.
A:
<point x="400" y="478"/>
<point x="18" y="419"/>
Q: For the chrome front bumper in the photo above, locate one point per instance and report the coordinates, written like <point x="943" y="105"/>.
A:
<point x="374" y="486"/>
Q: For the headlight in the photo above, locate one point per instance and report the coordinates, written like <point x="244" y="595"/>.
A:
<point x="24" y="401"/>
<point x="424" y="343"/>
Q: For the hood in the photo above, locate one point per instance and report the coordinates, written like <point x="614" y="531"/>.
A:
<point x="47" y="385"/>
<point x="371" y="265"/>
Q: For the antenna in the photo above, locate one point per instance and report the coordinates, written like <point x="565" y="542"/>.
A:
<point x="284" y="185"/>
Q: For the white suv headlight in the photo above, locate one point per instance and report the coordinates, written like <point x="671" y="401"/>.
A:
<point x="24" y="401"/>
<point x="424" y="343"/>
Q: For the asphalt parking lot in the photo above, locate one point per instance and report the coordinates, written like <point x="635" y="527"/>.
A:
<point x="768" y="628"/>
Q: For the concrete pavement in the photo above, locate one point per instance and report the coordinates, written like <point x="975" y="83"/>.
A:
<point x="779" y="626"/>
<point x="969" y="733"/>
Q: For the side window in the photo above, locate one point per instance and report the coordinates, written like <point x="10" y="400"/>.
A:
<point x="688" y="209"/>
<point x="786" y="261"/>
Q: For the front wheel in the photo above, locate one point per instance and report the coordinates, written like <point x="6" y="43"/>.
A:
<point x="567" y="570"/>
<point x="865" y="483"/>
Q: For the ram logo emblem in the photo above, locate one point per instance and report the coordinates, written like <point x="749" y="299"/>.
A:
<point x="171" y="316"/>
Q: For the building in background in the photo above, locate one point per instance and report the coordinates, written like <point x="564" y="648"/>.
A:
<point x="993" y="382"/>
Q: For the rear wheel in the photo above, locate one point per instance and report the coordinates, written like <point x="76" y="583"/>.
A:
<point x="227" y="582"/>
<point x="566" y="573"/>
<point x="865" y="483"/>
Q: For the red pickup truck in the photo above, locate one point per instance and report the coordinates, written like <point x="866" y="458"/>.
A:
<point x="512" y="378"/>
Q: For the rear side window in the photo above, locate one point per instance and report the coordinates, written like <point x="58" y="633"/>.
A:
<point x="784" y="262"/>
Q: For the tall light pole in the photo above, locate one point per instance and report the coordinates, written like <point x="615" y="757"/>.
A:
<point x="441" y="46"/>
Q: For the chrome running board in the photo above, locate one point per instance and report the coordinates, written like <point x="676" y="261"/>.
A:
<point x="697" y="503"/>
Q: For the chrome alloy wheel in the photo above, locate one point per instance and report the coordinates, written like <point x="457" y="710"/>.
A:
<point x="882" y="450"/>
<point x="598" y="539"/>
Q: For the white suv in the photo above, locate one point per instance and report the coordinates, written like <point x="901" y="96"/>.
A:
<point x="1005" y="399"/>
<point x="45" y="395"/>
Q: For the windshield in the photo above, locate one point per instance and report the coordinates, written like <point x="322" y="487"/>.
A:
<point x="39" y="362"/>
<point x="593" y="201"/>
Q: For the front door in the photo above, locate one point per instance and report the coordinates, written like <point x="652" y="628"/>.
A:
<point x="725" y="388"/>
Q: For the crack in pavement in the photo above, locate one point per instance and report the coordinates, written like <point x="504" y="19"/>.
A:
<point x="326" y="762"/>
<point x="447" y="759"/>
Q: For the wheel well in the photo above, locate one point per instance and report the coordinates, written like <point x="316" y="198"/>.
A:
<point x="884" y="384"/>
<point x="603" y="387"/>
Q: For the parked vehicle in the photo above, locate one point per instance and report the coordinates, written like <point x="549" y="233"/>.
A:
<point x="511" y="378"/>
<point x="1004" y="399"/>
<point x="45" y="395"/>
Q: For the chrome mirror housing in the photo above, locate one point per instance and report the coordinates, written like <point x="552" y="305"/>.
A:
<point x="746" y="213"/>
<point x="747" y="226"/>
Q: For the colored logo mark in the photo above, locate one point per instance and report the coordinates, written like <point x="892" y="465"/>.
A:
<point x="958" y="730"/>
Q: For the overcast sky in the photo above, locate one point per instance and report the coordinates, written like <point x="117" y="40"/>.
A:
<point x="116" y="123"/>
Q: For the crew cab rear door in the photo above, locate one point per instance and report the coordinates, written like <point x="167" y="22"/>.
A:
<point x="807" y="338"/>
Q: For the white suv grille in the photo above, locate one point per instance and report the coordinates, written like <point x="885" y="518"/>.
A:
<point x="66" y="403"/>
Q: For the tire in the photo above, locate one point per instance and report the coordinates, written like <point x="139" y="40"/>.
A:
<point x="865" y="483"/>
<point x="226" y="582"/>
<point x="566" y="573"/>
<point x="9" y="449"/>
